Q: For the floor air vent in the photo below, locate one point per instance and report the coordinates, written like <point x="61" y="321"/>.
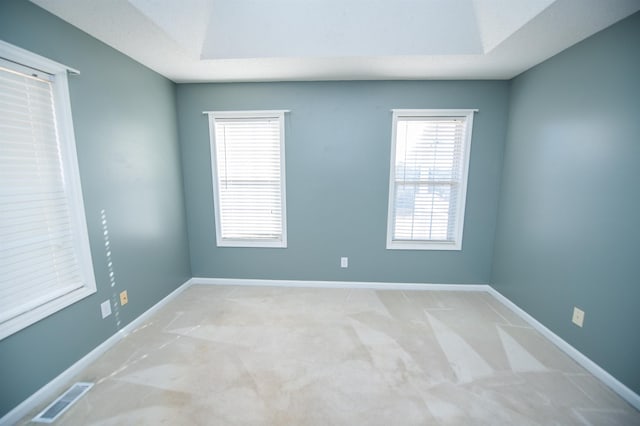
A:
<point x="62" y="404"/>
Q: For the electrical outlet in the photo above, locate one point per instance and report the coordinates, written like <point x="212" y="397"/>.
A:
<point x="123" y="298"/>
<point x="578" y="316"/>
<point x="105" y="308"/>
<point x="344" y="262"/>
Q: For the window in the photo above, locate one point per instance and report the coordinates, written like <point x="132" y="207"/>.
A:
<point x="45" y="262"/>
<point x="428" y="182"/>
<point x="247" y="155"/>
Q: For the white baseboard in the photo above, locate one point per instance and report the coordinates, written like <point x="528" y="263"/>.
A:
<point x="55" y="386"/>
<point x="593" y="368"/>
<point x="339" y="284"/>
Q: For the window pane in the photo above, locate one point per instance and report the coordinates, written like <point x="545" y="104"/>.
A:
<point x="423" y="212"/>
<point x="249" y="184"/>
<point x="427" y="174"/>
<point x="43" y="240"/>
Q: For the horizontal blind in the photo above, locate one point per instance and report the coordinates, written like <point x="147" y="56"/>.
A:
<point x="428" y="171"/>
<point x="249" y="177"/>
<point x="37" y="252"/>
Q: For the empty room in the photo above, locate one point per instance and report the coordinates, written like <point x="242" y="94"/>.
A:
<point x="319" y="212"/>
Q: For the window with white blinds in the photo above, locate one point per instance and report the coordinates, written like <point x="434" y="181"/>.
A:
<point x="427" y="189"/>
<point x="45" y="263"/>
<point x="247" y="150"/>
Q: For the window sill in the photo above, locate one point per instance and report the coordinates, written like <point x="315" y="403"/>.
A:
<point x="28" y="318"/>
<point x="251" y="243"/>
<point x="423" y="245"/>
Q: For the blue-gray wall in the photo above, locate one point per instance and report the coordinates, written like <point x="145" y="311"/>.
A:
<point x="338" y="139"/>
<point x="126" y="132"/>
<point x="568" y="232"/>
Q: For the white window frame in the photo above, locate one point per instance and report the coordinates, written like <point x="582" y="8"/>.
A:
<point x="247" y="242"/>
<point x="68" y="154"/>
<point x="392" y="244"/>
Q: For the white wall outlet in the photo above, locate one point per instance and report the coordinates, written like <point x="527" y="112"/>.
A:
<point x="578" y="316"/>
<point x="105" y="308"/>
<point x="344" y="262"/>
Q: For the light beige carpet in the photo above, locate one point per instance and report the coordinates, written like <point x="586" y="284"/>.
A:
<point x="291" y="356"/>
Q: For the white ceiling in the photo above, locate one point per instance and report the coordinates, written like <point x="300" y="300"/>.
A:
<point x="287" y="40"/>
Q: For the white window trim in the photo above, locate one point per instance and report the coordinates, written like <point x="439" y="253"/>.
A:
<point x="246" y="242"/>
<point x="425" y="244"/>
<point x="69" y="156"/>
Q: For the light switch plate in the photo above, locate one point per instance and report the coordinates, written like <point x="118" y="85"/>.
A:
<point x="578" y="316"/>
<point x="105" y="308"/>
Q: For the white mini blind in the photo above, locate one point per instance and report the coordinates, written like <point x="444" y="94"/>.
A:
<point x="38" y="261"/>
<point x="428" y="178"/>
<point x="249" y="178"/>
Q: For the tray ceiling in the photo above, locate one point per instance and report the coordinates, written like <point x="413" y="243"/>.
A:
<point x="288" y="40"/>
